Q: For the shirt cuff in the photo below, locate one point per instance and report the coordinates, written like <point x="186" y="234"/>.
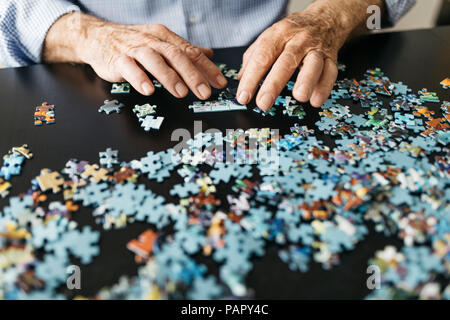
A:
<point x="37" y="21"/>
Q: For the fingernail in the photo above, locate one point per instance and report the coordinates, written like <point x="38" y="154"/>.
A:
<point x="221" y="80"/>
<point x="266" y="101"/>
<point x="243" y="97"/>
<point x="181" y="89"/>
<point x="204" y="91"/>
<point x="147" y="88"/>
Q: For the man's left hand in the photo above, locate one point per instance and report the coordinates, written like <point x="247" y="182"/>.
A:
<point x="310" y="40"/>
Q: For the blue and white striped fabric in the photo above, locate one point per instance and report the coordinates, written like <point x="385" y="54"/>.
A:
<point x="209" y="23"/>
<point x="397" y="8"/>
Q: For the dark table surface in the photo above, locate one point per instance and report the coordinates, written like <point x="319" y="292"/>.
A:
<point x="418" y="58"/>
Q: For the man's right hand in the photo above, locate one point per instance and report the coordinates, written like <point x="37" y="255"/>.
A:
<point x="123" y="53"/>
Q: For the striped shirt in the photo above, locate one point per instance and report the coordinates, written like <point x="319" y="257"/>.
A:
<point x="209" y="23"/>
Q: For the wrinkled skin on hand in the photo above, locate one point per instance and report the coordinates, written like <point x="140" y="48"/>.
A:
<point x="125" y="53"/>
<point x="310" y="40"/>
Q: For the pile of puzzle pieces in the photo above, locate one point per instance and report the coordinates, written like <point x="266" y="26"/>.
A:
<point x="388" y="167"/>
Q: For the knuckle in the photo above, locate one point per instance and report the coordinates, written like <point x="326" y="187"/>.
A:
<point x="160" y="64"/>
<point x="282" y="25"/>
<point x="309" y="35"/>
<point x="263" y="59"/>
<point x="159" y="28"/>
<point x="299" y="45"/>
<point x="289" y="61"/>
<point x="146" y="52"/>
<point x="193" y="52"/>
<point x="316" y="55"/>
<point x="173" y="52"/>
<point x="141" y="52"/>
<point x="120" y="60"/>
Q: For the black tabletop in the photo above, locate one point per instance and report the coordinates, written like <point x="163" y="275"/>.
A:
<point x="418" y="58"/>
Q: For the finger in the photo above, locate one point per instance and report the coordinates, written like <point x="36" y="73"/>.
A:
<point x="325" y="85"/>
<point x="206" y="51"/>
<point x="245" y="59"/>
<point x="281" y="72"/>
<point x="262" y="58"/>
<point x="206" y="66"/>
<point x="157" y="66"/>
<point x="134" y="75"/>
<point x="198" y="55"/>
<point x="309" y="76"/>
<point x="191" y="76"/>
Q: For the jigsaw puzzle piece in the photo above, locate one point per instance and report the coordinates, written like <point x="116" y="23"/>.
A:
<point x="108" y="158"/>
<point x="50" y="180"/>
<point x="120" y="88"/>
<point x="150" y="122"/>
<point x="12" y="166"/>
<point x="111" y="106"/>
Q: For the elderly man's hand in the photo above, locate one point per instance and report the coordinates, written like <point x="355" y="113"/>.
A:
<point x="310" y="40"/>
<point x="120" y="52"/>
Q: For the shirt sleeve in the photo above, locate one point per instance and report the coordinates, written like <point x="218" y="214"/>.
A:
<point x="23" y="27"/>
<point x="396" y="9"/>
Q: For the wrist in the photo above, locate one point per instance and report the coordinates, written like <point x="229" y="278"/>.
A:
<point x="70" y="37"/>
<point x="345" y="16"/>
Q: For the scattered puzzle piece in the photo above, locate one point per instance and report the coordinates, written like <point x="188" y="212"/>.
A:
<point x="109" y="158"/>
<point x="150" y="122"/>
<point x="111" y="106"/>
<point x="143" y="246"/>
<point x="120" y="88"/>
<point x="49" y="180"/>
<point x="44" y="114"/>
<point x="12" y="165"/>
<point x="144" y="110"/>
